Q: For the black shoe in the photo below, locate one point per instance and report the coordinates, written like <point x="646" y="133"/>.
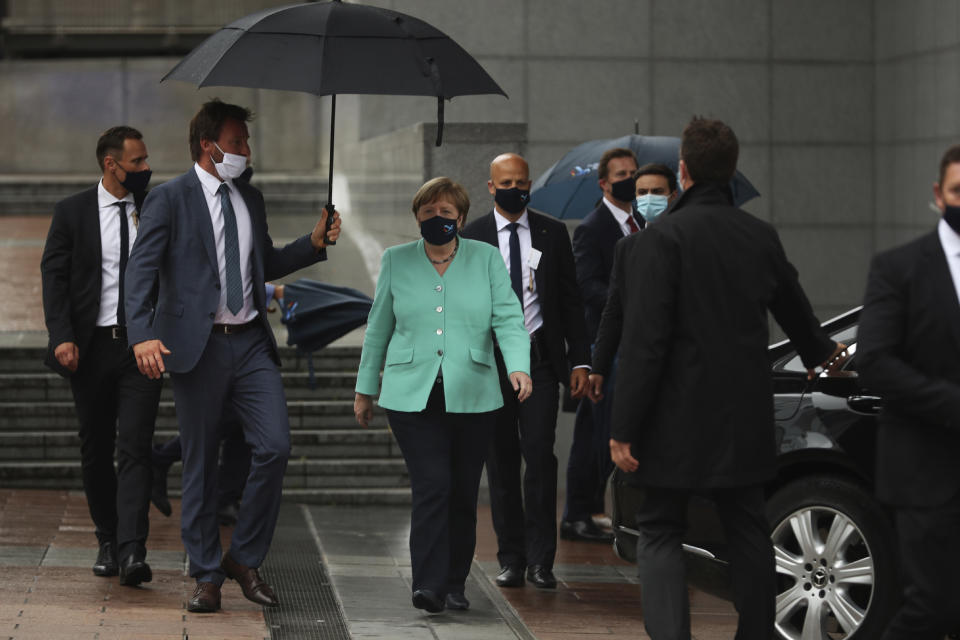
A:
<point x="227" y="514"/>
<point x="428" y="601"/>
<point x="541" y="577"/>
<point x="106" y="564"/>
<point x="158" y="493"/>
<point x="457" y="601"/>
<point x="134" y="571"/>
<point x="510" y="577"/>
<point x="584" y="531"/>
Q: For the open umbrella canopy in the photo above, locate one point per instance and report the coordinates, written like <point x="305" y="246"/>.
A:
<point x="317" y="313"/>
<point x="327" y="48"/>
<point x="569" y="188"/>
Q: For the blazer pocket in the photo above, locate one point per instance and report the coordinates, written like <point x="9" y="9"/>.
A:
<point x="171" y="310"/>
<point x="400" y="356"/>
<point x="481" y="357"/>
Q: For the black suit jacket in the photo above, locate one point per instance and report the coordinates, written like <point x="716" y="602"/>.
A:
<point x="560" y="304"/>
<point x="594" y="240"/>
<point x="611" y="320"/>
<point x="908" y="351"/>
<point x="71" y="273"/>
<point x="694" y="393"/>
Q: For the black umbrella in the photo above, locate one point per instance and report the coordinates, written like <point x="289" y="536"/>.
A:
<point x="317" y="313"/>
<point x="326" y="48"/>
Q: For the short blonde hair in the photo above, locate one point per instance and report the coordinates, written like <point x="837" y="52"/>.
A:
<point x="442" y="188"/>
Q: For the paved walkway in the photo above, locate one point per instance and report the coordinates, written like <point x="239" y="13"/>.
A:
<point x="48" y="591"/>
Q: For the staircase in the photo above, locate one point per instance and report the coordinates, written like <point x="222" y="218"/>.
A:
<point x="333" y="460"/>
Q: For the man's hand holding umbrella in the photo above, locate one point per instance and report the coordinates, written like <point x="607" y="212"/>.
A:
<point x="322" y="236"/>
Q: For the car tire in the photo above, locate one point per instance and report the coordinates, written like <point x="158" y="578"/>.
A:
<point x="836" y="560"/>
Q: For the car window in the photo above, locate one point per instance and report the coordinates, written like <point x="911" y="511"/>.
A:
<point x="847" y="336"/>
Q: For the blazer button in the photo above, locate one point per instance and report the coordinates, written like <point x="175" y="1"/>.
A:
<point x="439" y="352"/>
<point x="439" y="309"/>
<point x="217" y="286"/>
<point x="439" y="288"/>
<point x="439" y="332"/>
<point x="212" y="315"/>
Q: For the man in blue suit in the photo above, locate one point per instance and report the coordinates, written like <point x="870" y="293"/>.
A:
<point x="203" y="236"/>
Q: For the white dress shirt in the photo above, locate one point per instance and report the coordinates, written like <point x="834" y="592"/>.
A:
<point x="621" y="216"/>
<point x="950" y="241"/>
<point x="210" y="186"/>
<point x="531" y="302"/>
<point x="110" y="252"/>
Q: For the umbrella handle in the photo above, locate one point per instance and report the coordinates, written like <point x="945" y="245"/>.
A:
<point x="330" y="209"/>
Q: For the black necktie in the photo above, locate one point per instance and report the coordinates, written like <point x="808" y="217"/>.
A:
<point x="231" y="252"/>
<point x="516" y="270"/>
<point x="124" y="250"/>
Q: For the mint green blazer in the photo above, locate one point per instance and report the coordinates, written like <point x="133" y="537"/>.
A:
<point x="421" y="322"/>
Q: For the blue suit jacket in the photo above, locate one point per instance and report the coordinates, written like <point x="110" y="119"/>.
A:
<point x="421" y="321"/>
<point x="175" y="243"/>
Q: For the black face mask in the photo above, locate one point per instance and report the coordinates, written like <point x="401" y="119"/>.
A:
<point x="625" y="190"/>
<point x="952" y="217"/>
<point x="137" y="181"/>
<point x="438" y="231"/>
<point x="513" y="200"/>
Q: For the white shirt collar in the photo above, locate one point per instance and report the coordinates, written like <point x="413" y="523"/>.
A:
<point x="211" y="184"/>
<point x="523" y="220"/>
<point x="949" y="239"/>
<point x="105" y="198"/>
<point x="617" y="212"/>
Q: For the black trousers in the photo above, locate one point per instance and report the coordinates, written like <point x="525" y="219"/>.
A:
<point x="928" y="539"/>
<point x="525" y="521"/>
<point x="444" y="453"/>
<point x="117" y="409"/>
<point x="661" y="567"/>
<point x="234" y="458"/>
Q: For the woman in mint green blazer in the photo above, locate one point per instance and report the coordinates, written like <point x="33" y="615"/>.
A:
<point x="440" y="302"/>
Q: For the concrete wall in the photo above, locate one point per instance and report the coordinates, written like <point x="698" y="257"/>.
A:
<point x="842" y="107"/>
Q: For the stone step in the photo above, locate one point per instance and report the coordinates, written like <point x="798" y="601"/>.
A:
<point x="61" y="415"/>
<point x="297" y="385"/>
<point x="350" y="497"/>
<point x="30" y="359"/>
<point x="301" y="474"/>
<point x="306" y="444"/>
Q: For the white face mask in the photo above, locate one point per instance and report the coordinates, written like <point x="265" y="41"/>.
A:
<point x="231" y="166"/>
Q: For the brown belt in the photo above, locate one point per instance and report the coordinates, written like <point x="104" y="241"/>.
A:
<point x="234" y="328"/>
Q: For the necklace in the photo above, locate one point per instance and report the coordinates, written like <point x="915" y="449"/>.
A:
<point x="449" y="257"/>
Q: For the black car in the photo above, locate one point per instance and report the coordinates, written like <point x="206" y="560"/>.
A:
<point x="835" y="547"/>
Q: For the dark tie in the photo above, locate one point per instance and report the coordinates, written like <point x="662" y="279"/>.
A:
<point x="124" y="250"/>
<point x="231" y="252"/>
<point x="633" y="224"/>
<point x="516" y="271"/>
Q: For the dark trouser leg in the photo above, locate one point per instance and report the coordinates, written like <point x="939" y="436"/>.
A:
<point x="167" y="453"/>
<point x="582" y="472"/>
<point x="752" y="570"/>
<point x="928" y="539"/>
<point x="137" y="400"/>
<point x="602" y="417"/>
<point x="538" y="424"/>
<point x="471" y="438"/>
<point x="199" y="396"/>
<point x="427" y="442"/>
<point x="503" y="478"/>
<point x="259" y="401"/>
<point x="95" y="398"/>
<point x="234" y="462"/>
<point x="661" y="567"/>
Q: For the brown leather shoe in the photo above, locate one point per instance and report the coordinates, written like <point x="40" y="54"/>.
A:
<point x="253" y="586"/>
<point x="206" y="598"/>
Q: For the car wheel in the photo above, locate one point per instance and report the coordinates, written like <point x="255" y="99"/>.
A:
<point x="835" y="558"/>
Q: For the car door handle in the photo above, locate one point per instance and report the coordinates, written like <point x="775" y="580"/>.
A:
<point x="865" y="404"/>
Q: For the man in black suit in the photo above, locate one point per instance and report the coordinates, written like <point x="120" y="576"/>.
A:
<point x="909" y="353"/>
<point x="594" y="240"/>
<point x="656" y="188"/>
<point x="83" y="289"/>
<point x="537" y="252"/>
<point x="693" y="404"/>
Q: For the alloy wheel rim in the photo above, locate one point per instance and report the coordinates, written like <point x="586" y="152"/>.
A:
<point x="825" y="572"/>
